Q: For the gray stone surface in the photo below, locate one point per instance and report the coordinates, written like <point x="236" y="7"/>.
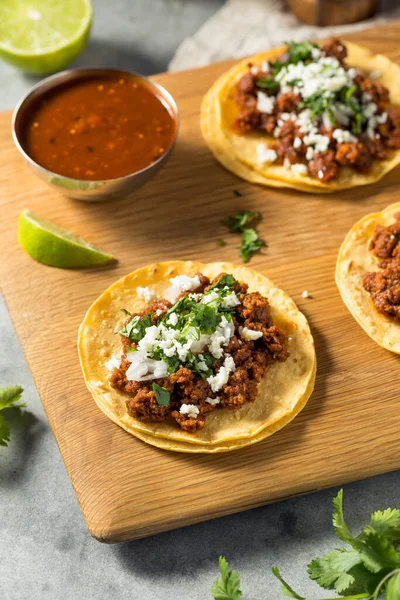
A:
<point x="45" y="550"/>
<point x="139" y="35"/>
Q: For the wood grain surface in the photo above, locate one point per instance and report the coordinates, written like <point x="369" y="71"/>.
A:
<point x="126" y="489"/>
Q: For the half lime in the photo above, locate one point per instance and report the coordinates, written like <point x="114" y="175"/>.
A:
<point x="43" y="36"/>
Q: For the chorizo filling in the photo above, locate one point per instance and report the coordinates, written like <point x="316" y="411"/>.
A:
<point x="384" y="285"/>
<point x="323" y="113"/>
<point x="205" y="346"/>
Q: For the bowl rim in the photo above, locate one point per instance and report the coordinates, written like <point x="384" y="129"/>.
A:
<point x="165" y="94"/>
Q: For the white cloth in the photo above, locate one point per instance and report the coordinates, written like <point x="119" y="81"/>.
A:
<point x="244" y="27"/>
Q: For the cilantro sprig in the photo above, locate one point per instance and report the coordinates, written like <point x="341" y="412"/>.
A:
<point x="227" y="586"/>
<point x="162" y="395"/>
<point x="238" y="221"/>
<point x="9" y="397"/>
<point x="369" y="568"/>
<point x="251" y="243"/>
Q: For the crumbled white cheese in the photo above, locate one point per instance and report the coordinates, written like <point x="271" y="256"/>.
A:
<point x="265" y="103"/>
<point x="369" y="109"/>
<point x="264" y="66"/>
<point x="220" y="379"/>
<point x="250" y="335"/>
<point x="146" y="293"/>
<point x="316" y="53"/>
<point x="297" y="142"/>
<point x="265" y="154"/>
<point x="380" y="119"/>
<point x="305" y="294"/>
<point x="254" y="70"/>
<point x="326" y="75"/>
<point x="179" y="284"/>
<point x="191" y="410"/>
<point x="310" y="153"/>
<point x="113" y="363"/>
<point x="158" y="312"/>
<point x="286" y="163"/>
<point x="326" y="120"/>
<point x="143" y="368"/>
<point x="213" y="401"/>
<point x="353" y="72"/>
<point x="342" y="136"/>
<point x="210" y="298"/>
<point x="221" y="337"/>
<point x="299" y="169"/>
<point x="318" y="141"/>
<point x="230" y="301"/>
<point x="172" y="319"/>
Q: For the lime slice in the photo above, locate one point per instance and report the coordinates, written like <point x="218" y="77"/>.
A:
<point x="42" y="36"/>
<point x="55" y="246"/>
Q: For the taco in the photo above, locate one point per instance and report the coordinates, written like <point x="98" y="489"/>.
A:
<point x="317" y="118"/>
<point x="368" y="275"/>
<point x="197" y="357"/>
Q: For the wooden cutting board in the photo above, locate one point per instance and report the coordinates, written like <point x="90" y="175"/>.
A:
<point x="126" y="489"/>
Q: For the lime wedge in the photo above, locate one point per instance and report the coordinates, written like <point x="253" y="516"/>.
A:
<point x="55" y="246"/>
<point x="42" y="36"/>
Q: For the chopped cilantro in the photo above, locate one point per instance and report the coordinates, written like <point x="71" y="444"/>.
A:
<point x="8" y="398"/>
<point x="296" y="52"/>
<point x="126" y="312"/>
<point x="136" y="328"/>
<point x="300" y="51"/>
<point x="251" y="243"/>
<point x="206" y="318"/>
<point x="162" y="395"/>
<point x="226" y="280"/>
<point x="238" y="221"/>
<point x="221" y="242"/>
<point x="268" y="83"/>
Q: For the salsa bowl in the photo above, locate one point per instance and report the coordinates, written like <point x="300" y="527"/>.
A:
<point x="103" y="138"/>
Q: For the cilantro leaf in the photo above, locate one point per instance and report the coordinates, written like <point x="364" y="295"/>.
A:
<point x="267" y="83"/>
<point x="386" y="523"/>
<point x="162" y="395"/>
<point x="378" y="553"/>
<point x="251" y="243"/>
<point x="206" y="318"/>
<point x="136" y="328"/>
<point x="339" y="524"/>
<point x="4" y="432"/>
<point x="227" y="586"/>
<point x="300" y="51"/>
<point x="126" y="312"/>
<point x="393" y="587"/>
<point x="286" y="589"/>
<point x="238" y="221"/>
<point x="225" y="280"/>
<point x="332" y="570"/>
<point x="221" y="242"/>
<point x="9" y="396"/>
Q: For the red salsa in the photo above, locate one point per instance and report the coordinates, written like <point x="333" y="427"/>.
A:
<point x="99" y="127"/>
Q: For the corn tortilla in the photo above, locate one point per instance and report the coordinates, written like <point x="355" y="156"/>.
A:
<point x="238" y="152"/>
<point x="282" y="394"/>
<point x="353" y="261"/>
